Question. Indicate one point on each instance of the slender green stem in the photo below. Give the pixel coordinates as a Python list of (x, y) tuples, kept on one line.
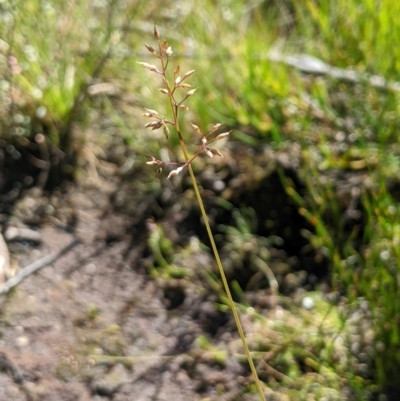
[(220, 268), (174, 106)]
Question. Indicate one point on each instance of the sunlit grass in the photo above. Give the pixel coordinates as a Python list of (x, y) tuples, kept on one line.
[(353, 33)]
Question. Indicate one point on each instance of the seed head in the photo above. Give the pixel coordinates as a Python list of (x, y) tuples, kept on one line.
[(197, 129), (191, 92), (166, 132), (156, 33), (153, 161), (188, 74), (154, 125), (175, 172), (150, 49), (158, 121), (213, 129), (215, 152), (150, 67), (164, 45), (225, 134), (208, 152), (152, 113)]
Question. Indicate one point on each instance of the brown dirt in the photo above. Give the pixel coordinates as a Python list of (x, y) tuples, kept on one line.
[(95, 324)]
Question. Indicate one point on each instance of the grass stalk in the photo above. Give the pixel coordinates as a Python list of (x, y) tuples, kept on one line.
[(170, 89), (221, 269)]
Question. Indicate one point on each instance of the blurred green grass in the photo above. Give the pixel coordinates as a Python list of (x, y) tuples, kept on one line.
[(55, 55)]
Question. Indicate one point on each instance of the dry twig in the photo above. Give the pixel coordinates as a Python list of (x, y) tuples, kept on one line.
[(35, 266)]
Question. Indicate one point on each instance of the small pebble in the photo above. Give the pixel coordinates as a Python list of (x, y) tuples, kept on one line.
[(22, 341), (307, 303)]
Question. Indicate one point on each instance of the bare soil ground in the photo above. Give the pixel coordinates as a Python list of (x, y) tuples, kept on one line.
[(95, 325)]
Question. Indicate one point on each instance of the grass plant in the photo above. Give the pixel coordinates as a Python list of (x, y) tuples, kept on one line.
[(171, 88)]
